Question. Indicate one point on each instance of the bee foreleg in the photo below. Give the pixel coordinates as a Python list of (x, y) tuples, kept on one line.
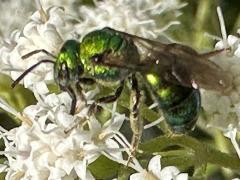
[(135, 120), (112, 98), (107, 99), (84, 81), (80, 93), (72, 94)]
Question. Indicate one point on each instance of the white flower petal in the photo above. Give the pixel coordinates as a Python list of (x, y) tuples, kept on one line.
[(154, 165), (65, 164), (237, 52), (89, 176), (116, 123), (95, 124), (41, 88), (65, 119), (219, 45), (182, 176), (231, 134), (232, 40), (3, 168), (138, 176), (56, 16), (168, 173), (111, 144), (56, 173), (81, 169)]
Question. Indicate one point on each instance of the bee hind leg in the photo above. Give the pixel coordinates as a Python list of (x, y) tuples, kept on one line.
[(135, 120)]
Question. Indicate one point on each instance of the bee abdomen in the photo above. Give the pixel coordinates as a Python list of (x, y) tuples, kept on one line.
[(183, 116)]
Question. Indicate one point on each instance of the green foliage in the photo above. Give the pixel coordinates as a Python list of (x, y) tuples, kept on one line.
[(103, 168), (18, 98)]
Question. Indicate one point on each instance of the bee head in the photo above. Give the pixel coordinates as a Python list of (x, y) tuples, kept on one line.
[(68, 68)]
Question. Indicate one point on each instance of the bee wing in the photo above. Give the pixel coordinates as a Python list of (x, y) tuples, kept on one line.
[(175, 63), (198, 72)]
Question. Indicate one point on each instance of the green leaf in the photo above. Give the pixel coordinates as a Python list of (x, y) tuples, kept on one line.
[(203, 153), (19, 97), (104, 168)]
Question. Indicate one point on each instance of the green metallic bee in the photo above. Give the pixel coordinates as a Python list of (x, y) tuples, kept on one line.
[(173, 73)]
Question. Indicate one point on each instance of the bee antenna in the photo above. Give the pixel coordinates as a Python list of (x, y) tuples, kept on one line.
[(36, 52), (29, 70)]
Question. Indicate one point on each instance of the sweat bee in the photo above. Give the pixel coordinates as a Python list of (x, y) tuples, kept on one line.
[(173, 73)]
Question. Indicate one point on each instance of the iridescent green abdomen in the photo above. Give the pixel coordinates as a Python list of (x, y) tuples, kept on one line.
[(183, 116), (109, 42), (180, 105)]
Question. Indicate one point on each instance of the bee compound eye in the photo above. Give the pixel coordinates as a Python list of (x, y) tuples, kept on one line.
[(98, 58), (80, 69)]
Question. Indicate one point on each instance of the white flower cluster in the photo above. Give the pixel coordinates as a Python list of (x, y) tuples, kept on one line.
[(37, 34), (11, 9), (50, 143), (21, 10), (223, 111), (135, 17)]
